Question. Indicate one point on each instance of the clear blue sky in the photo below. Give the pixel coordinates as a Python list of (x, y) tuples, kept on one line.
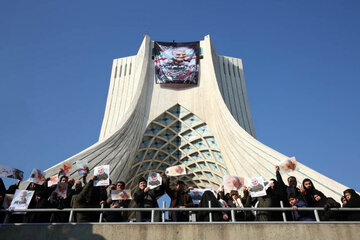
[(301, 62)]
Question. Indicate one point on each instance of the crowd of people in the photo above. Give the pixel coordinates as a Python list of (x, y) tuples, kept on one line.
[(83, 194)]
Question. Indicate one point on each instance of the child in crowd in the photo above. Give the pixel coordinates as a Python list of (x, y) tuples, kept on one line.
[(296, 203)]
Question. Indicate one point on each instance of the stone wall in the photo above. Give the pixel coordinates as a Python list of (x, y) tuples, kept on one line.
[(258, 231)]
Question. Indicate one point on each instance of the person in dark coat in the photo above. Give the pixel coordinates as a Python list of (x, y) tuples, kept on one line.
[(276, 195), (291, 188), (83, 200), (265, 202), (353, 201), (2, 197), (307, 191), (117, 216), (12, 188), (235, 202), (179, 199), (299, 215), (59, 202), (288, 189), (39, 200), (326, 202), (217, 216), (147, 198)]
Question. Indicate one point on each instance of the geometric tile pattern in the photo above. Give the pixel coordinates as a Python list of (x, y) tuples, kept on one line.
[(175, 137)]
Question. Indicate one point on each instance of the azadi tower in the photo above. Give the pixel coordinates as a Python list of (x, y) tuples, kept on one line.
[(208, 126)]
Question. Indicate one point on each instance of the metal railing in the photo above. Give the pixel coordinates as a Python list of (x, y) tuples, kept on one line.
[(192, 213)]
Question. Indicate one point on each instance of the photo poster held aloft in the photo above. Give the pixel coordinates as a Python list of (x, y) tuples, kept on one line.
[(177, 170), (196, 194), (120, 194), (37, 176), (82, 166), (289, 165), (21, 199), (232, 183), (176, 63), (9, 172), (61, 189), (53, 180), (154, 180), (256, 187), (67, 167), (102, 174), (7, 200)]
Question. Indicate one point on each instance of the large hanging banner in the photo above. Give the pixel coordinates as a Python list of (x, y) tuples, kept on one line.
[(176, 62)]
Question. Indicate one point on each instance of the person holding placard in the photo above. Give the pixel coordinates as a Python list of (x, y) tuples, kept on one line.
[(117, 216), (60, 198), (235, 202), (84, 200), (291, 188), (147, 198)]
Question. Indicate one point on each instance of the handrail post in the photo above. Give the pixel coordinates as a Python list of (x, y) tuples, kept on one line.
[(71, 215), (283, 213), (101, 214), (152, 215), (316, 215), (6, 219), (210, 214), (193, 216), (163, 212), (232, 215)]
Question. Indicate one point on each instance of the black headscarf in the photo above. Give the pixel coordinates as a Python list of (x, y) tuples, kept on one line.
[(354, 201), (322, 201), (309, 193), (204, 203)]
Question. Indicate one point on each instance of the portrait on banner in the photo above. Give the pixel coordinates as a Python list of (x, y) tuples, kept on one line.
[(37, 176), (102, 174), (154, 180), (120, 194), (256, 187), (289, 165), (232, 183), (11, 172), (177, 170), (21, 199), (176, 63)]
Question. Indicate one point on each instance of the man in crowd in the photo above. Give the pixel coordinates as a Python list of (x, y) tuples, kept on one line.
[(117, 216), (147, 198), (179, 199)]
